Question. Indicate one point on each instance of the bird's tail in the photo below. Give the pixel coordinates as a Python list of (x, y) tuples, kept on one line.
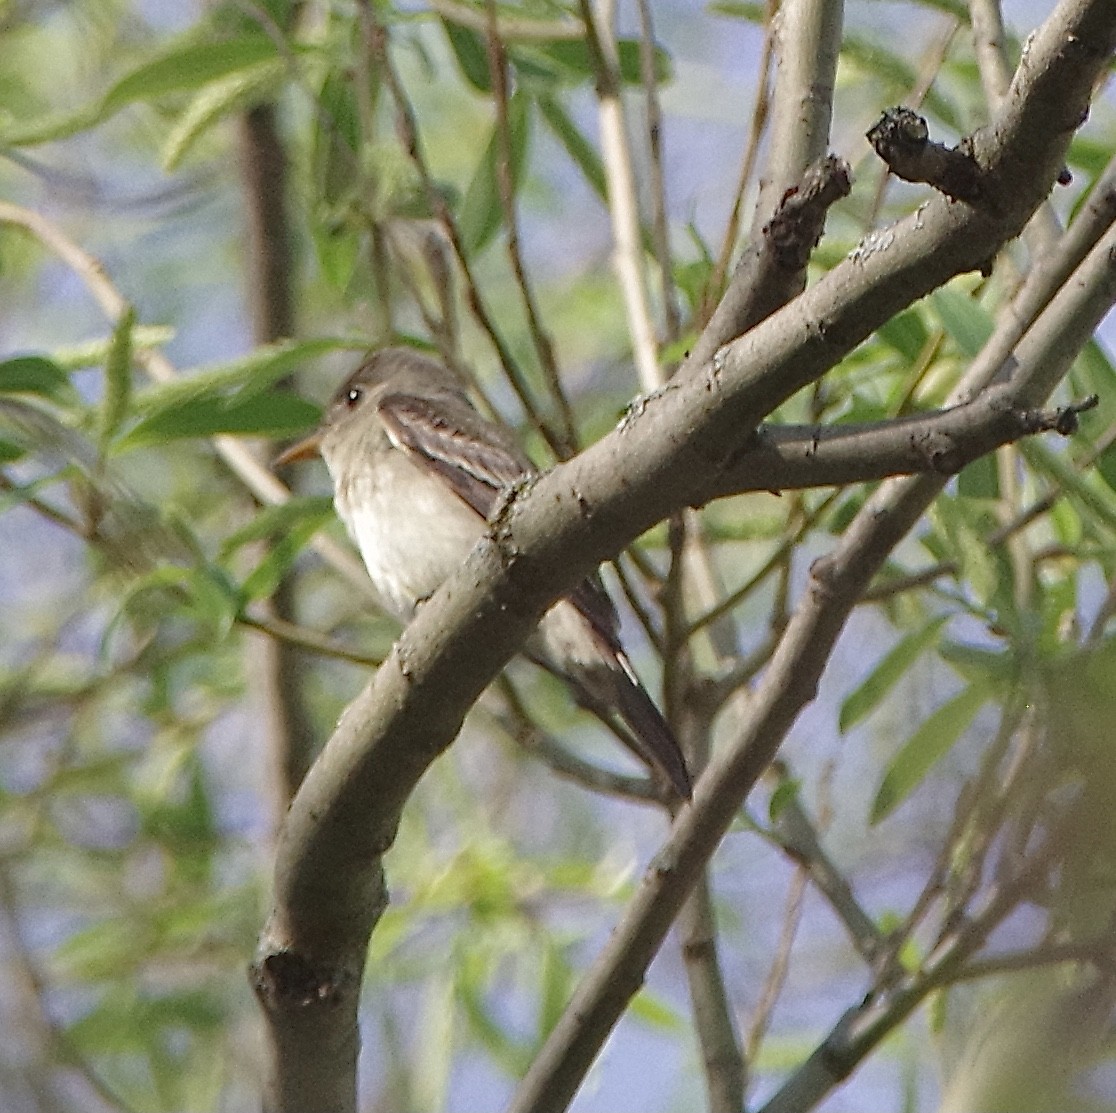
[(589, 658)]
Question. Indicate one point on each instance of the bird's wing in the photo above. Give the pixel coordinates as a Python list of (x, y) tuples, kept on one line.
[(448, 437), (478, 460)]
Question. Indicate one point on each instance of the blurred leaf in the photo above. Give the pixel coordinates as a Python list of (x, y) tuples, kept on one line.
[(655, 1012), (281, 554), (980, 479), (994, 669), (338, 250), (118, 377), (962, 523), (245, 376), (580, 150), (275, 521), (894, 665), (1056, 467), (785, 793), (182, 68), (555, 986), (10, 452), (738, 9), (336, 139), (73, 357), (471, 53), (925, 748), (964, 319), (218, 100), (435, 1053), (572, 57), (482, 215), (36, 375), (906, 333), (261, 415)]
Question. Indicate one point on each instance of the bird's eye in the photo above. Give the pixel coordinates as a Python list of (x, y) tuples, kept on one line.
[(353, 396)]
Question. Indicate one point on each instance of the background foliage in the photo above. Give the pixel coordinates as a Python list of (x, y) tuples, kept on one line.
[(961, 735)]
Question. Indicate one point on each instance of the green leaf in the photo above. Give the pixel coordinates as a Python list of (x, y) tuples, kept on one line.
[(10, 452), (868, 695), (118, 376), (275, 521), (655, 1012), (925, 748), (906, 333), (471, 53), (281, 554), (964, 319), (188, 66), (218, 100), (92, 353), (246, 375), (36, 375), (993, 669), (571, 59), (739, 9), (261, 415), (482, 213), (785, 792), (183, 68), (980, 479), (583, 153)]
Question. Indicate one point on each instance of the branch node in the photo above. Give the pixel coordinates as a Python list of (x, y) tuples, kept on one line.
[(797, 225), (901, 138), (284, 980)]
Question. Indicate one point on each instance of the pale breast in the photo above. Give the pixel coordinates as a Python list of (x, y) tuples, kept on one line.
[(412, 531)]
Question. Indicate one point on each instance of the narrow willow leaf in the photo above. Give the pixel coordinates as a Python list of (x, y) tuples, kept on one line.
[(481, 212), (583, 153), (275, 521), (218, 100), (925, 748), (181, 69), (471, 53), (906, 333), (118, 376), (262, 415), (283, 551), (966, 321), (36, 375), (92, 353), (248, 374), (864, 699), (187, 67)]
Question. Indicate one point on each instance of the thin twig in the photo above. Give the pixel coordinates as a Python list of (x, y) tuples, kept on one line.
[(508, 187), (623, 202)]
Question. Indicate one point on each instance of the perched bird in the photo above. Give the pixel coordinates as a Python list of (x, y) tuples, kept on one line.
[(416, 473)]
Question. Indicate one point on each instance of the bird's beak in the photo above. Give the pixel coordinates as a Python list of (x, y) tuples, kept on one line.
[(304, 449)]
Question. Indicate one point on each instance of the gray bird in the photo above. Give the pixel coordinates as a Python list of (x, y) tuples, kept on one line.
[(417, 471)]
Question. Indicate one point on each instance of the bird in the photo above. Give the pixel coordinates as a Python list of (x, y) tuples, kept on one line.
[(417, 471)]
